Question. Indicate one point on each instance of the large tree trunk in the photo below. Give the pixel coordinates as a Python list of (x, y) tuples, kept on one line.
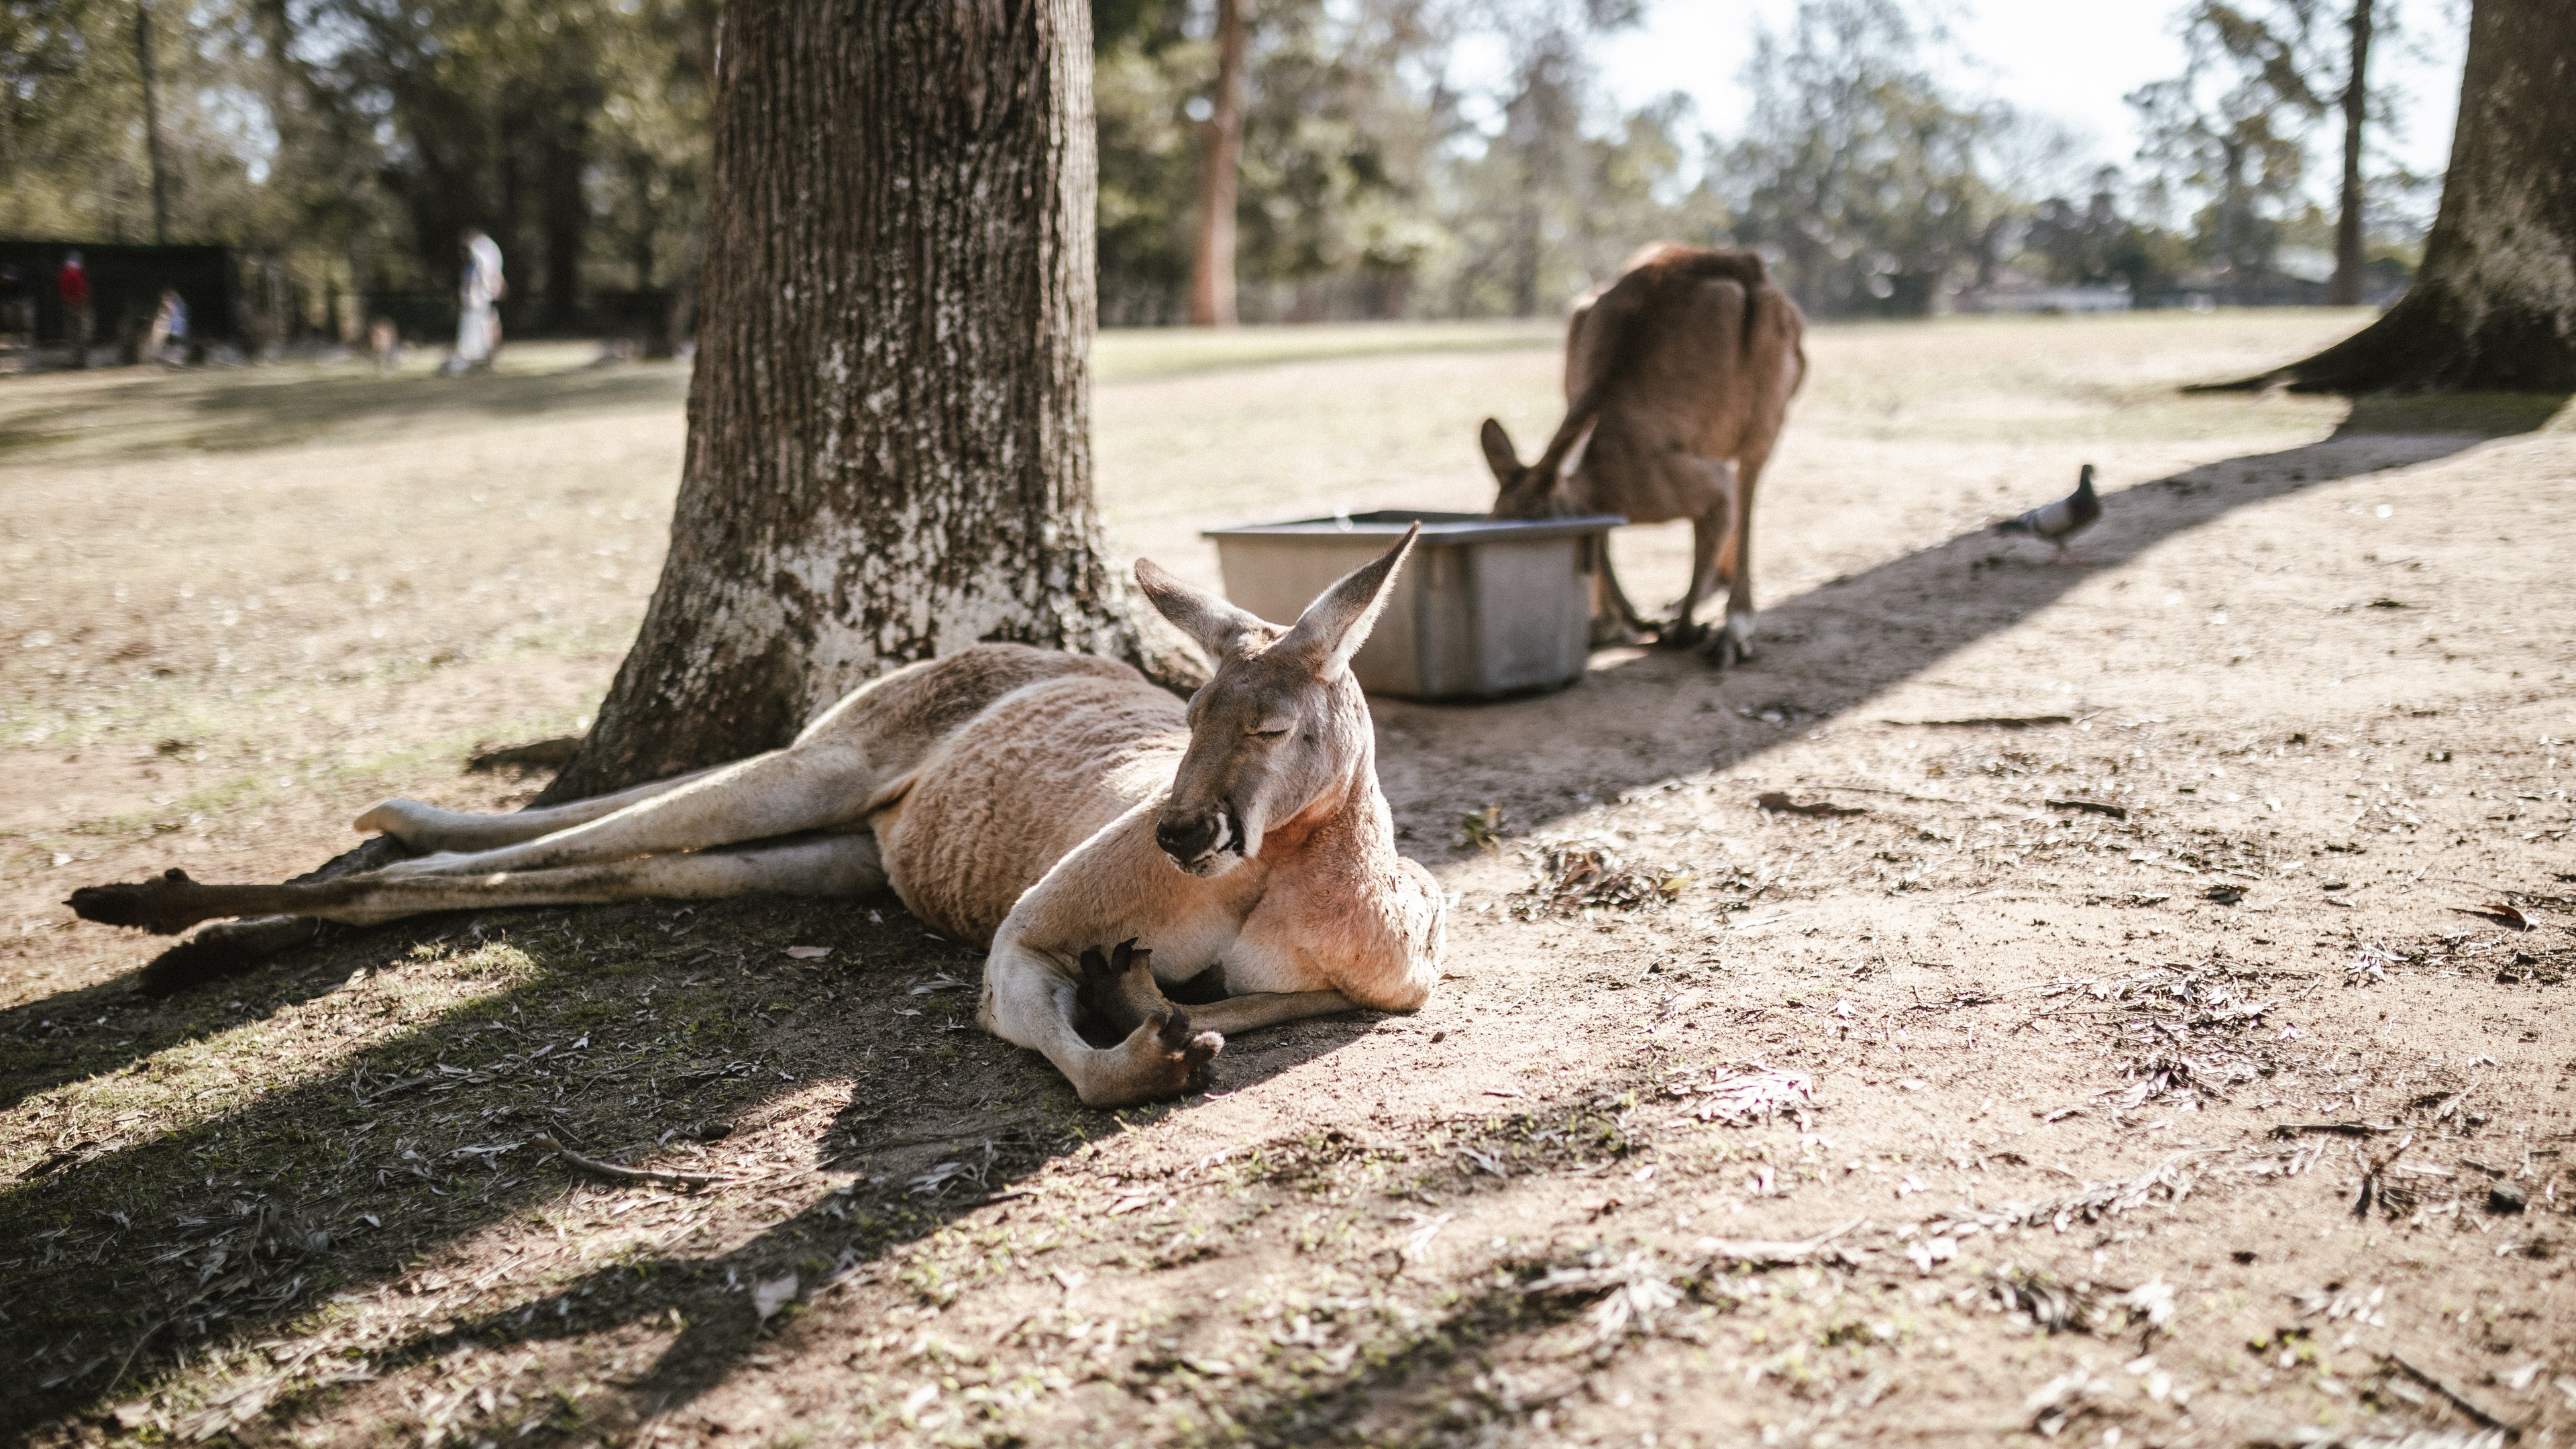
[(888, 454), (1220, 178), (2494, 305), (2345, 289)]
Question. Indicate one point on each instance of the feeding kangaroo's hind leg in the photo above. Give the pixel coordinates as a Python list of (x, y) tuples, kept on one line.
[(1614, 620)]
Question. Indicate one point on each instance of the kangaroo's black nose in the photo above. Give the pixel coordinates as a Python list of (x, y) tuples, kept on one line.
[(1190, 837)]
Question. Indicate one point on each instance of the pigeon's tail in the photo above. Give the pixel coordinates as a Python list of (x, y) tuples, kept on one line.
[(2022, 527)]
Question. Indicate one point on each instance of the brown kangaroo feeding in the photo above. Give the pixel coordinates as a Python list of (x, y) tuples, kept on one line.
[(1102, 838), (1678, 377)]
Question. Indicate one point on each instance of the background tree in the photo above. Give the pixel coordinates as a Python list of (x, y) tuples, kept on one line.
[(888, 454), (1858, 171), (2345, 289), (75, 146), (1220, 164), (2231, 127), (2494, 304)]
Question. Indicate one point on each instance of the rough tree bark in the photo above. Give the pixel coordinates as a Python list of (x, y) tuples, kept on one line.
[(2345, 288), (1220, 177), (888, 455), (2494, 305)]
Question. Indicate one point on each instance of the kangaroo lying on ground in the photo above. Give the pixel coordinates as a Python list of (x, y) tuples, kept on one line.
[(1050, 804), (1677, 381)]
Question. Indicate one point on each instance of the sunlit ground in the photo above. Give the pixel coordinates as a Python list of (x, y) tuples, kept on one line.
[(2113, 1006)]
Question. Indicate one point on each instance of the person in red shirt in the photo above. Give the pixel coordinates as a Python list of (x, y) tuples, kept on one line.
[(71, 283)]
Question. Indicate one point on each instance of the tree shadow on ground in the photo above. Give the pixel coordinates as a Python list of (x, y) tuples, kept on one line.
[(107, 1027), (1649, 716), (609, 1028)]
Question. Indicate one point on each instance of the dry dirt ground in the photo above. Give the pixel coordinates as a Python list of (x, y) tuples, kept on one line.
[(2142, 1016)]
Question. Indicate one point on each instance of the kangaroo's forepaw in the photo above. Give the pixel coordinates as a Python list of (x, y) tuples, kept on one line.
[(1194, 1051), (1162, 1058), (1118, 993), (165, 906)]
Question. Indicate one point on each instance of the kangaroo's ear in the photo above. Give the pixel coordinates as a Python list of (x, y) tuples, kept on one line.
[(1335, 626), (1220, 628), (1499, 454)]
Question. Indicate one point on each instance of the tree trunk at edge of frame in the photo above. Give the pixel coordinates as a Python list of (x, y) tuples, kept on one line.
[(888, 453), (2494, 304)]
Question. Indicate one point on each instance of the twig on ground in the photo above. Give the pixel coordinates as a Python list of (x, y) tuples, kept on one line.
[(2372, 1192), (2092, 807), (2463, 1402), (597, 1168), (1896, 794), (1765, 1253), (1987, 721), (1778, 802)]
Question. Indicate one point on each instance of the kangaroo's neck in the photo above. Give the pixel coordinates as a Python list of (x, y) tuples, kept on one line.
[(1341, 894), (1351, 820)]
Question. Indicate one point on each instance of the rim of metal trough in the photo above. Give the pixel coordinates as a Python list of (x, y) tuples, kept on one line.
[(1437, 528)]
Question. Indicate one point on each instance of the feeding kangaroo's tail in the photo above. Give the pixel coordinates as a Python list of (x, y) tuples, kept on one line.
[(1647, 287)]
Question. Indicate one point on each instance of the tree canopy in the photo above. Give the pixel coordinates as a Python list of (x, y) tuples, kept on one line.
[(1399, 157)]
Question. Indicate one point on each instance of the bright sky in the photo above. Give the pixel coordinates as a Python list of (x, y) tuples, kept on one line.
[(2070, 59)]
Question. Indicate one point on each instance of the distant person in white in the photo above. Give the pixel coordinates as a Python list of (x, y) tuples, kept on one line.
[(478, 327)]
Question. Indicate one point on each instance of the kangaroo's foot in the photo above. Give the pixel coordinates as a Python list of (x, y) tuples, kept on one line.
[(405, 820), (1118, 994), (1161, 1058), (223, 950), (1731, 645), (1735, 645), (1674, 634), (165, 905)]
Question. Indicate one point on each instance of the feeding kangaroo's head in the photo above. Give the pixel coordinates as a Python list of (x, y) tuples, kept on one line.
[(1281, 729), (1533, 491)]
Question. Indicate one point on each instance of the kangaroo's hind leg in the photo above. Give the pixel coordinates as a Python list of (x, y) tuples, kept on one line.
[(845, 864), (1614, 619), (783, 792), (428, 828)]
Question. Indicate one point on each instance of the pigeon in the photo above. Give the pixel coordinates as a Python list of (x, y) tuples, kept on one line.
[(2059, 522)]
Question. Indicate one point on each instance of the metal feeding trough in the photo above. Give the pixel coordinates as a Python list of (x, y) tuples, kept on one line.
[(1485, 607)]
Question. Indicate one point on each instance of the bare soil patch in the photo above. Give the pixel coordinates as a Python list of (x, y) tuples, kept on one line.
[(2140, 1013)]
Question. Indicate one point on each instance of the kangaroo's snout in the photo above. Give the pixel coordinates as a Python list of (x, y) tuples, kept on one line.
[(1196, 839)]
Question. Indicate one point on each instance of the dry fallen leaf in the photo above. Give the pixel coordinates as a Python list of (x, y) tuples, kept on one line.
[(1779, 803), (2507, 914), (809, 953)]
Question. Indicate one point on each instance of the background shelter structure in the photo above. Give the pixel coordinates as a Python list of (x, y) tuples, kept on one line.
[(125, 284)]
